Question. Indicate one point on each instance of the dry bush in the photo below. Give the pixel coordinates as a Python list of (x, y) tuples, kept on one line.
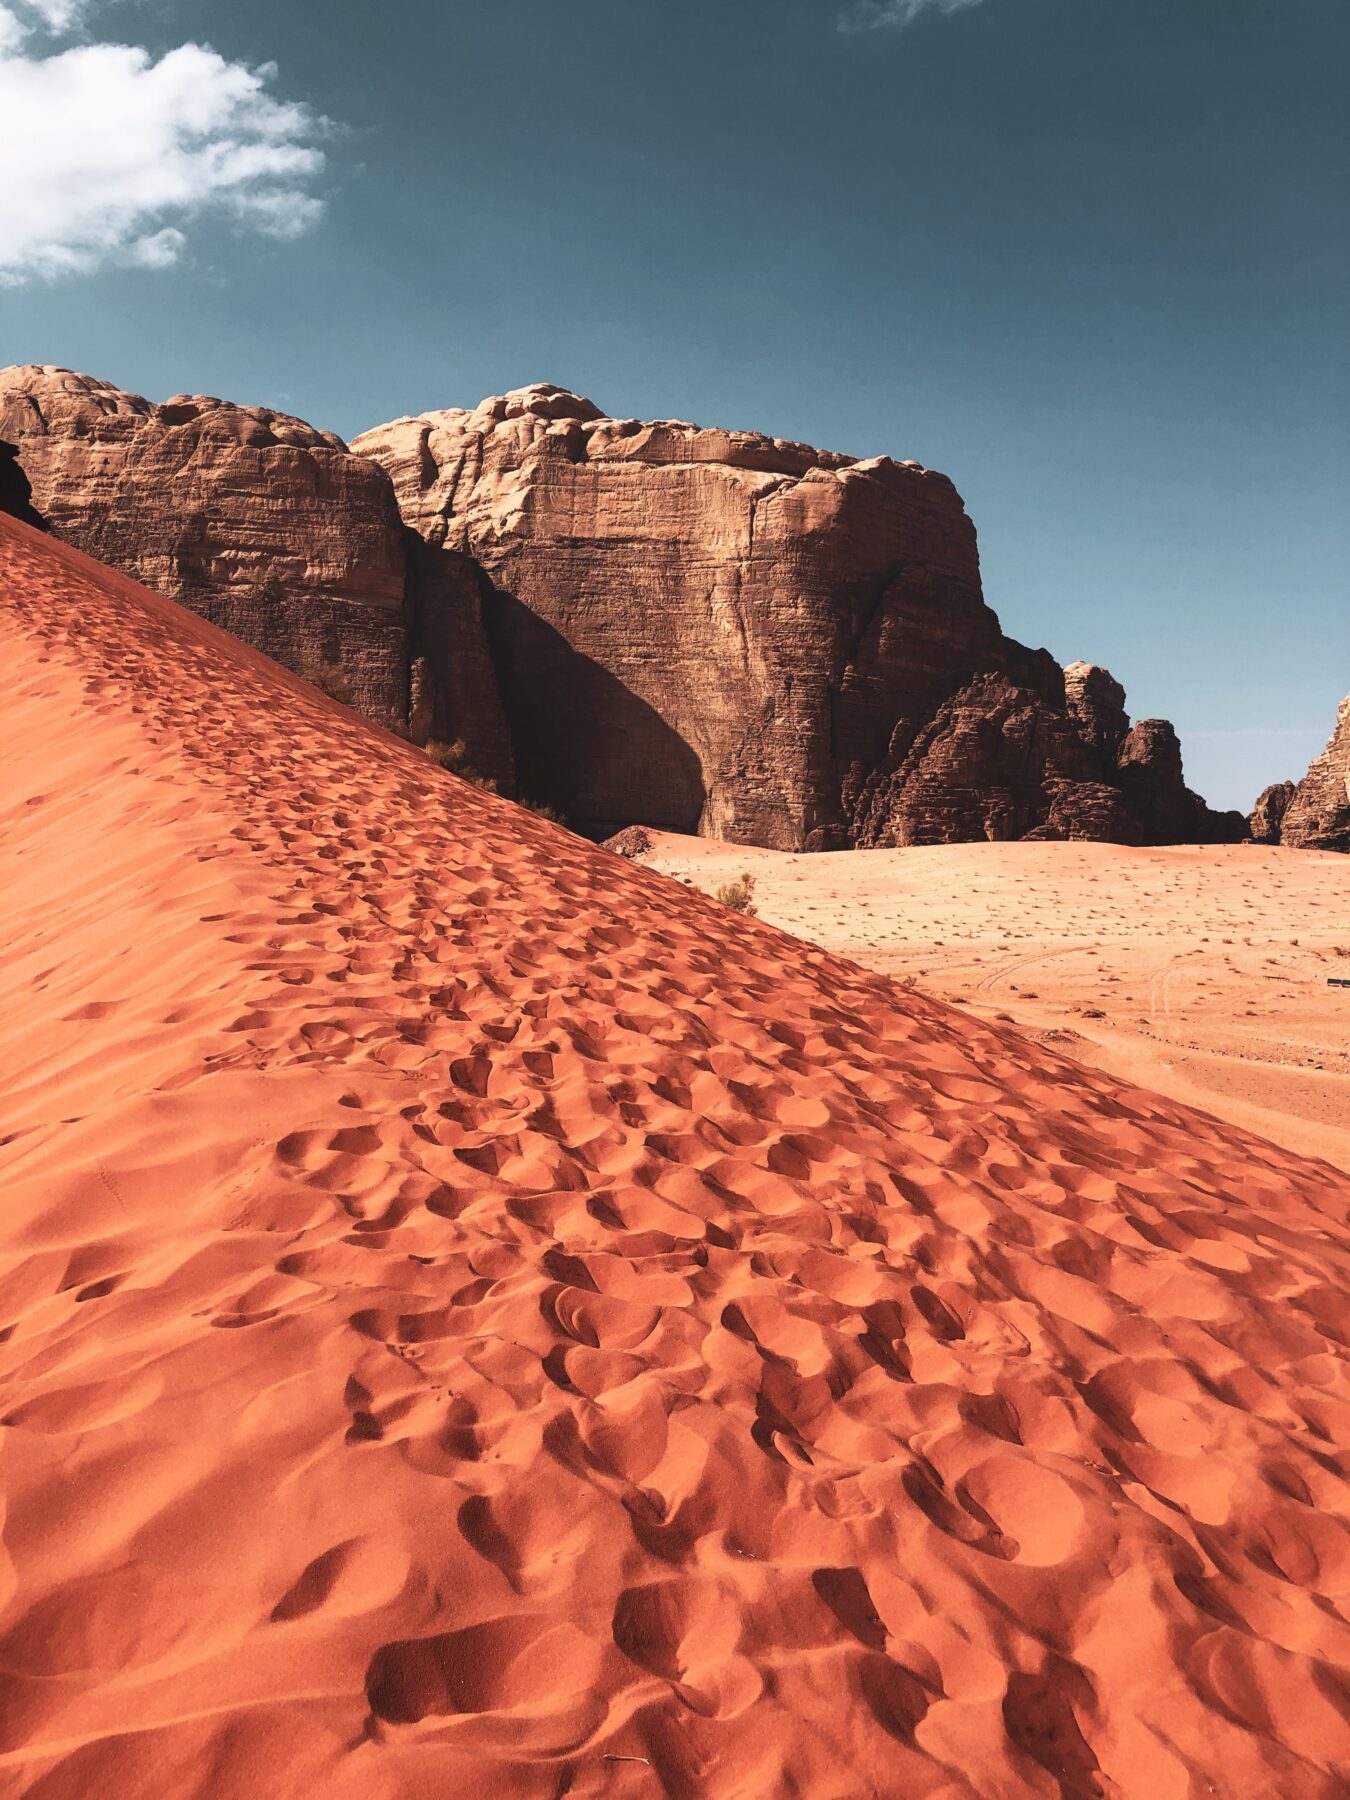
[(739, 895), (329, 677), (446, 756), (454, 759)]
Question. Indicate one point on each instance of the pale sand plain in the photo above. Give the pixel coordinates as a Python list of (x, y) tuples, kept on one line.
[(477, 1318), (1202, 972)]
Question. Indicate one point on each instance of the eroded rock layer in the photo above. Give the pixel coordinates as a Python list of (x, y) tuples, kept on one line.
[(701, 629), (1267, 816)]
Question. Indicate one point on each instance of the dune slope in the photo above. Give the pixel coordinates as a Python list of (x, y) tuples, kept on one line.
[(478, 1318), (1201, 971)]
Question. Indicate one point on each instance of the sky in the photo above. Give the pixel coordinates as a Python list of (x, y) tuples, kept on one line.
[(1088, 257)]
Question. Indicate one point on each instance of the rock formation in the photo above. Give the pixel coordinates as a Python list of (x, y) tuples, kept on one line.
[(716, 631), (1267, 816), (16, 492), (996, 761), (1095, 701), (1150, 777), (1317, 816), (700, 630), (255, 520)]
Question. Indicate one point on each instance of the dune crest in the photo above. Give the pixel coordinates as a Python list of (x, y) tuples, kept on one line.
[(478, 1318)]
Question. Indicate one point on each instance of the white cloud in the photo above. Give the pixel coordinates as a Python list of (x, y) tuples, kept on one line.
[(880, 15), (109, 154)]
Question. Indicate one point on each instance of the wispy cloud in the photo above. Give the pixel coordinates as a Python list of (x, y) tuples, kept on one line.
[(893, 15), (110, 155)]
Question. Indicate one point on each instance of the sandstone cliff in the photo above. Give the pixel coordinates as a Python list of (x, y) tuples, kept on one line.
[(255, 520), (717, 631), (1316, 815), (701, 630)]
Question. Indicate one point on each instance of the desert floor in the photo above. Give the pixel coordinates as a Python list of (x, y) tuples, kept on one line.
[(477, 1318), (1199, 972)]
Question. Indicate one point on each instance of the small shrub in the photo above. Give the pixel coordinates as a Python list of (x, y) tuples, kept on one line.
[(739, 895), (453, 758), (446, 756), (329, 677), (541, 811)]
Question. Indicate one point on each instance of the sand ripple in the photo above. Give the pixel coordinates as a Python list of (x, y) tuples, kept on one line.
[(476, 1318)]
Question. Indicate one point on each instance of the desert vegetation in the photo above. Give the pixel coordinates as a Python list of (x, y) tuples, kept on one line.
[(739, 895)]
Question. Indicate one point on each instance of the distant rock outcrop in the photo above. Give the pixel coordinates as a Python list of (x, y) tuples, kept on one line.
[(16, 491), (1267, 816), (1317, 816), (1150, 777), (716, 631), (255, 520)]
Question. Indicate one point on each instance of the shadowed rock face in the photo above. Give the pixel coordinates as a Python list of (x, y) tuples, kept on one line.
[(715, 631), (1317, 816), (16, 492), (255, 520), (1150, 776), (997, 761)]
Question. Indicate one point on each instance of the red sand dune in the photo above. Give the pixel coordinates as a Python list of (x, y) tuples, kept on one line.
[(479, 1319)]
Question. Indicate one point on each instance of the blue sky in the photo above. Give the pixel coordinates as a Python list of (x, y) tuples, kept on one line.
[(1089, 257)]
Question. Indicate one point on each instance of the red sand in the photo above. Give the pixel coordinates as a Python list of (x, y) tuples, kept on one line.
[(479, 1319), (1200, 972)]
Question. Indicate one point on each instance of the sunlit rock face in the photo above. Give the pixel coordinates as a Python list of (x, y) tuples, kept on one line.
[(717, 631)]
